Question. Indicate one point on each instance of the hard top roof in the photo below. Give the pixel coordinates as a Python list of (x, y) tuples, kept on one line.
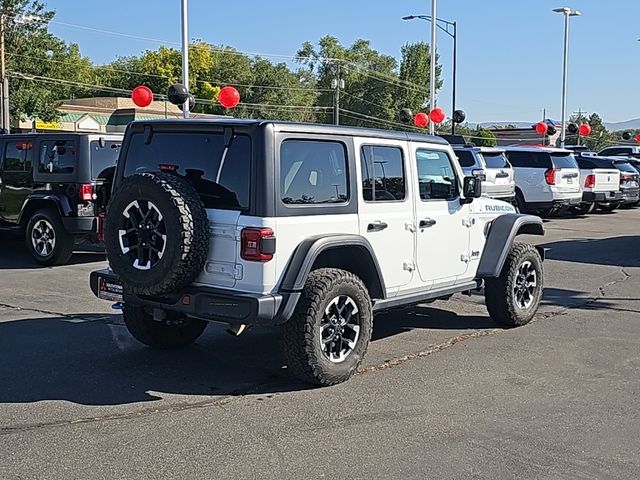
[(298, 127)]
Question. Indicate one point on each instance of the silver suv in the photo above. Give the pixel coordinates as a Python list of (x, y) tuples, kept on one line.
[(492, 167)]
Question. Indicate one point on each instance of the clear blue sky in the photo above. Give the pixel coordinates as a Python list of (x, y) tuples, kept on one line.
[(509, 51)]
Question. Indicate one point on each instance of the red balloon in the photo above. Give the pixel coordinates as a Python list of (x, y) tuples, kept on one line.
[(142, 96), (585, 129), (638, 138), (229, 97), (437, 115), (421, 120), (541, 128)]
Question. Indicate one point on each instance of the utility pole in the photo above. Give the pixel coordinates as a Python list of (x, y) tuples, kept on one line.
[(337, 83), (432, 73), (3, 77)]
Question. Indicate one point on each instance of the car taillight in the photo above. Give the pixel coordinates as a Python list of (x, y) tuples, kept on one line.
[(86, 192), (626, 178), (101, 221), (590, 181), (257, 244), (550, 176)]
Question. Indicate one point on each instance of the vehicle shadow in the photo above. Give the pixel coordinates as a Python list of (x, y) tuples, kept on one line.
[(93, 360), (614, 251), (15, 256)]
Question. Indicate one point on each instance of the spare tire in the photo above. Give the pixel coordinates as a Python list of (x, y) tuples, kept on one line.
[(156, 233)]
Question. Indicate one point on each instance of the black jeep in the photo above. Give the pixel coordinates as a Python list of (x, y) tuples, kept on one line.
[(53, 188)]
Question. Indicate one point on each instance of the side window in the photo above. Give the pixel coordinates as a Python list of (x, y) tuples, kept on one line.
[(313, 172), (466, 158), (383, 178), (57, 156), (18, 156), (436, 175)]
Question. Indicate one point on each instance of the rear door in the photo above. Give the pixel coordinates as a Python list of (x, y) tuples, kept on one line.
[(567, 173), (16, 178), (386, 209), (529, 168), (607, 180), (499, 175)]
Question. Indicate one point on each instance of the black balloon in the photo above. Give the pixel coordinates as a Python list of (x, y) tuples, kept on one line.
[(406, 115), (192, 103), (177, 94), (626, 135), (459, 116), (572, 128), (551, 130)]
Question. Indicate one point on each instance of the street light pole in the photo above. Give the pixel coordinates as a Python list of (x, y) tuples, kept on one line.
[(567, 12), (453, 35), (6, 127), (432, 73), (185, 54)]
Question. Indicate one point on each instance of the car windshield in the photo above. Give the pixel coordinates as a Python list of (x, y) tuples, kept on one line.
[(466, 158), (198, 157), (103, 158), (563, 160), (495, 160)]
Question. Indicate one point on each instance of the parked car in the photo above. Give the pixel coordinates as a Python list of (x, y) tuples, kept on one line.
[(621, 150), (492, 167), (547, 179), (600, 181), (629, 182), (311, 227), (53, 186)]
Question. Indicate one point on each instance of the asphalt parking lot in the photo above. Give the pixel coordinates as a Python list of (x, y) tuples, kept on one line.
[(443, 393)]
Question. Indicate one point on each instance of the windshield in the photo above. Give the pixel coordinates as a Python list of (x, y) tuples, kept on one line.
[(103, 158), (563, 160), (495, 160), (465, 158), (197, 157)]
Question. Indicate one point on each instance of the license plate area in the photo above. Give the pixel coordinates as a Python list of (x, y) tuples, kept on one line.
[(109, 290)]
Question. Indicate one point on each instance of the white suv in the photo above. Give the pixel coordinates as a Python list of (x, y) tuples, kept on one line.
[(491, 166), (311, 227), (547, 179)]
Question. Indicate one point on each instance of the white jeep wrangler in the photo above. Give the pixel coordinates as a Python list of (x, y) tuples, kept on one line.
[(314, 228)]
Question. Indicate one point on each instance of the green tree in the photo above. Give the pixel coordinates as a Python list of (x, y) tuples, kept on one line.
[(35, 58), (483, 138), (415, 71), (599, 138)]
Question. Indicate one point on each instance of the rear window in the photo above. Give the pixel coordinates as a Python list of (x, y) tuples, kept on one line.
[(57, 156), (465, 158), (495, 160), (562, 160), (625, 166), (103, 157), (529, 159), (198, 158)]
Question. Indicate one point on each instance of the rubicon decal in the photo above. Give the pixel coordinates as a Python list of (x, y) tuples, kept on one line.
[(499, 208)]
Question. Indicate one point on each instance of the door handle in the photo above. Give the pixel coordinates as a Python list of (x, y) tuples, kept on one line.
[(376, 226), (427, 222)]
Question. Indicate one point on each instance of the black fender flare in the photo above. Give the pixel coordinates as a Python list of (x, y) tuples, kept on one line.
[(61, 202), (310, 249), (502, 233)]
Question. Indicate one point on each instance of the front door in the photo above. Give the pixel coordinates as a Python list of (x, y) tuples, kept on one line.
[(16, 179), (385, 211), (441, 221)]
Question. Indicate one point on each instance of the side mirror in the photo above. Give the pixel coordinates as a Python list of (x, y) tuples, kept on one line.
[(471, 188)]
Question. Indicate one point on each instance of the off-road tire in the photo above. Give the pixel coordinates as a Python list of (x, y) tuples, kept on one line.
[(187, 232), (160, 334), (64, 241), (300, 339), (608, 208), (500, 296)]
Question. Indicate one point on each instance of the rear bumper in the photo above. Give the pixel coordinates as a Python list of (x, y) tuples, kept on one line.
[(211, 304), (555, 204), (79, 225), (630, 195), (602, 197)]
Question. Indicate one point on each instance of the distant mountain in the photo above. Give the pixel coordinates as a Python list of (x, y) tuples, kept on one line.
[(628, 125), (504, 124)]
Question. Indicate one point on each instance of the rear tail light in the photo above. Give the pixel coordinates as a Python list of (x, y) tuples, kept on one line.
[(101, 221), (550, 176), (86, 193), (627, 178), (590, 181), (257, 244)]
